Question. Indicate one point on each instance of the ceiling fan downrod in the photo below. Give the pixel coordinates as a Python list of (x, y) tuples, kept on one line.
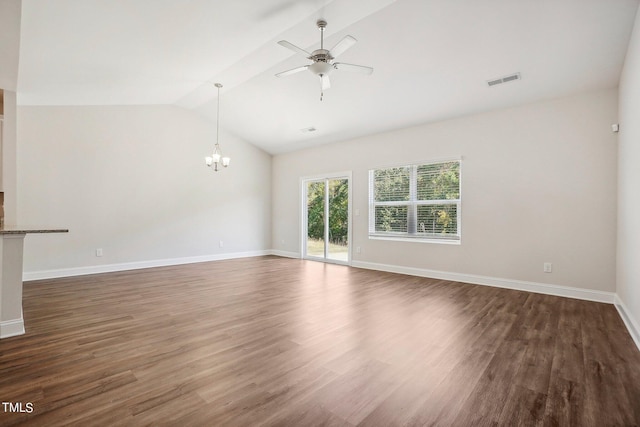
[(322, 24)]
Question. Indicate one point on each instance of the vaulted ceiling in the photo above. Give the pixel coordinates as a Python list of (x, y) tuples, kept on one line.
[(432, 59)]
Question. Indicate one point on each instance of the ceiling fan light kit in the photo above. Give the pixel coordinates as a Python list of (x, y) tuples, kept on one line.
[(323, 60)]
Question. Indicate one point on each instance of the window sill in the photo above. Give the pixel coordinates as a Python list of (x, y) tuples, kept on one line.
[(416, 239)]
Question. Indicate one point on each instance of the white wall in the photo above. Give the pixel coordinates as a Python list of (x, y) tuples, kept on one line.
[(538, 184), (8, 159), (628, 261), (10, 13), (132, 180)]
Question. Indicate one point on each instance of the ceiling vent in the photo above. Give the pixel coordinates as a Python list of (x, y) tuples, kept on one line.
[(308, 130), (506, 79)]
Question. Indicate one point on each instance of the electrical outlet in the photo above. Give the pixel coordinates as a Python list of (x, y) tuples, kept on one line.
[(358, 250), (221, 243), (99, 252), (547, 267)]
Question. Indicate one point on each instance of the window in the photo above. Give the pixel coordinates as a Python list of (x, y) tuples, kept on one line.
[(416, 202)]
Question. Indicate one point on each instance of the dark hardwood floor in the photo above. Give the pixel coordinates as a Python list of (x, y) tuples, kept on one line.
[(275, 341)]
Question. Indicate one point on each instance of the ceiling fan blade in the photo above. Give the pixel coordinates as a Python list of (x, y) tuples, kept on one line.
[(292, 71), (354, 68), (324, 81), (294, 48), (342, 45)]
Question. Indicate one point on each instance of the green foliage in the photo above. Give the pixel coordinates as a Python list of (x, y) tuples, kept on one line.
[(437, 219), (392, 184), (315, 210), (391, 219), (338, 210), (439, 181)]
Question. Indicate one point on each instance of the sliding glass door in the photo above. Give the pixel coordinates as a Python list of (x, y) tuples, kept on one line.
[(326, 219)]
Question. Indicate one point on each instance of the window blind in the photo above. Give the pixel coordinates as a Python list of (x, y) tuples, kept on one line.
[(415, 201)]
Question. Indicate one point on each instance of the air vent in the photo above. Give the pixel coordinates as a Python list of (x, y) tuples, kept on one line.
[(506, 79), (309, 129)]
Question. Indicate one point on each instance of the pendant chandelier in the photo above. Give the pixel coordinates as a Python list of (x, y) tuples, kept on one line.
[(216, 158)]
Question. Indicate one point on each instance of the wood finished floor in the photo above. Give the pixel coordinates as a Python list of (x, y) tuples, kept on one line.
[(275, 341)]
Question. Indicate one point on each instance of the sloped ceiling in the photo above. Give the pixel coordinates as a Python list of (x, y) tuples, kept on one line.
[(432, 59)]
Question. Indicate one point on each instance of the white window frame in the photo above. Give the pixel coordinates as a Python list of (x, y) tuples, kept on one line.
[(412, 207)]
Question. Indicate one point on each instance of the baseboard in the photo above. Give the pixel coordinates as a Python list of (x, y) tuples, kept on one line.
[(629, 321), (109, 268), (540, 288), (11, 328), (285, 254)]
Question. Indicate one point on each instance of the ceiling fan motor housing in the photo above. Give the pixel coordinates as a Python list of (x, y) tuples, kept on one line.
[(322, 55)]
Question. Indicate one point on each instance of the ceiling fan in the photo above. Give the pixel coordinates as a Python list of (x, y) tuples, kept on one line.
[(322, 58)]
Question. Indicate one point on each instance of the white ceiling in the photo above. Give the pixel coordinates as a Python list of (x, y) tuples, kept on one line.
[(432, 59)]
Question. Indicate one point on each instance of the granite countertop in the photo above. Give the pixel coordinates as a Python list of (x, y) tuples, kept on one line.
[(13, 229)]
